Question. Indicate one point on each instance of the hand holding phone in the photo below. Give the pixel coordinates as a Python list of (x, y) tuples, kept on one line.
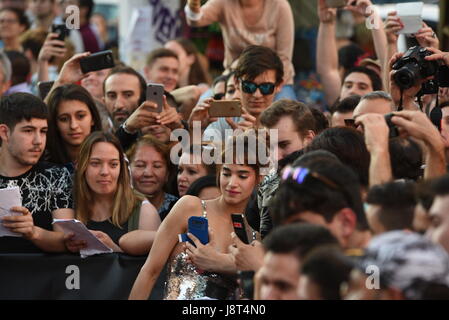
[(198, 226), (241, 228), (155, 93), (61, 30), (97, 61)]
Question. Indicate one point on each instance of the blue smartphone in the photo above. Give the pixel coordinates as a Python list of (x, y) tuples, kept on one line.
[(197, 226)]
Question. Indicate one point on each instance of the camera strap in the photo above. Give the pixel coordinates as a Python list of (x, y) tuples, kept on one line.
[(401, 100)]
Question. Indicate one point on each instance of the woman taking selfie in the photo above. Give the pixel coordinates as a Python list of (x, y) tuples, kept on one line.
[(121, 218), (205, 270)]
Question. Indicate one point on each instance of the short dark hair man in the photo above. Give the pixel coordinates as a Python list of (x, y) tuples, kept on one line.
[(330, 196), (46, 190), (258, 75), (391, 206), (285, 249)]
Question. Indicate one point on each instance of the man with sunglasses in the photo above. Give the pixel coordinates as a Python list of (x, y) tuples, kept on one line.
[(259, 76)]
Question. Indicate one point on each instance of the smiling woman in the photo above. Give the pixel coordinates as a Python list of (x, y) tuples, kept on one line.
[(102, 183)]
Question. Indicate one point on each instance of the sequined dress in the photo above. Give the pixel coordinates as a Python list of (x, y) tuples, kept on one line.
[(187, 282)]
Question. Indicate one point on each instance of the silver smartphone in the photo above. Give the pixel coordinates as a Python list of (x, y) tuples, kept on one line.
[(155, 93)]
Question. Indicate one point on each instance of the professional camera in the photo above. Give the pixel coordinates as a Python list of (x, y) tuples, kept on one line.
[(413, 67)]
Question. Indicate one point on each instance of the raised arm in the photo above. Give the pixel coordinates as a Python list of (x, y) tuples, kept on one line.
[(200, 16), (327, 53), (285, 39)]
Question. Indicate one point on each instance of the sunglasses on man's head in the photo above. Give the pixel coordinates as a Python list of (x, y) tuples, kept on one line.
[(265, 88)]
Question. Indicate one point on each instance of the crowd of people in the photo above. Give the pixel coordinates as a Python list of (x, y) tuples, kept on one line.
[(353, 204)]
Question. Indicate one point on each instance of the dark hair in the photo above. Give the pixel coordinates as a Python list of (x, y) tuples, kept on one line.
[(321, 122), (317, 196), (89, 4), (349, 146), (397, 201), (406, 158), (201, 183), (20, 14), (21, 67), (57, 152), (20, 106), (376, 81), (197, 74), (349, 55), (255, 60), (299, 113), (439, 186), (33, 40), (328, 268), (346, 105), (160, 53), (424, 194), (298, 238), (130, 71)]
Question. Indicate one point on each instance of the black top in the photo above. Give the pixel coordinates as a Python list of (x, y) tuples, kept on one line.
[(114, 232), (44, 188)]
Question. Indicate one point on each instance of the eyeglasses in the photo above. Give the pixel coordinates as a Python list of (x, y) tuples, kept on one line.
[(299, 174), (265, 88)]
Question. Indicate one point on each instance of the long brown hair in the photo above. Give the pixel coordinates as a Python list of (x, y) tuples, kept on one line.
[(125, 198)]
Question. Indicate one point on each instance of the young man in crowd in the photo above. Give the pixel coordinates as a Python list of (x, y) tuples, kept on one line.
[(391, 206), (258, 76), (46, 190), (285, 249), (163, 67)]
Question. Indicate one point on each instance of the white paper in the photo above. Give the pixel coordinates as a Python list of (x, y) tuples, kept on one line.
[(94, 245), (411, 16), (9, 197)]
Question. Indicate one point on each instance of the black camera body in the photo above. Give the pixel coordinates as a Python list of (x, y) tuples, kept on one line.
[(413, 67)]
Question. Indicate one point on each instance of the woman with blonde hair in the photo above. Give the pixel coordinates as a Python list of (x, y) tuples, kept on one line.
[(120, 217)]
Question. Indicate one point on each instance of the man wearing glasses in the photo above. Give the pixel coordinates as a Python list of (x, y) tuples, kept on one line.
[(259, 76)]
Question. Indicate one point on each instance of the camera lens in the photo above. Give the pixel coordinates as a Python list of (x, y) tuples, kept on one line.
[(405, 77)]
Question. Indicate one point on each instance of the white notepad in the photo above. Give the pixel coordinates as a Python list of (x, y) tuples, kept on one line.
[(9, 197), (94, 245), (411, 16)]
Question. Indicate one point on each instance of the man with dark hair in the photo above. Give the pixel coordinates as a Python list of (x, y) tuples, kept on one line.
[(322, 274), (163, 67), (343, 110), (294, 123), (46, 190), (259, 76), (391, 206), (330, 196), (124, 97), (360, 81), (349, 146), (285, 249)]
